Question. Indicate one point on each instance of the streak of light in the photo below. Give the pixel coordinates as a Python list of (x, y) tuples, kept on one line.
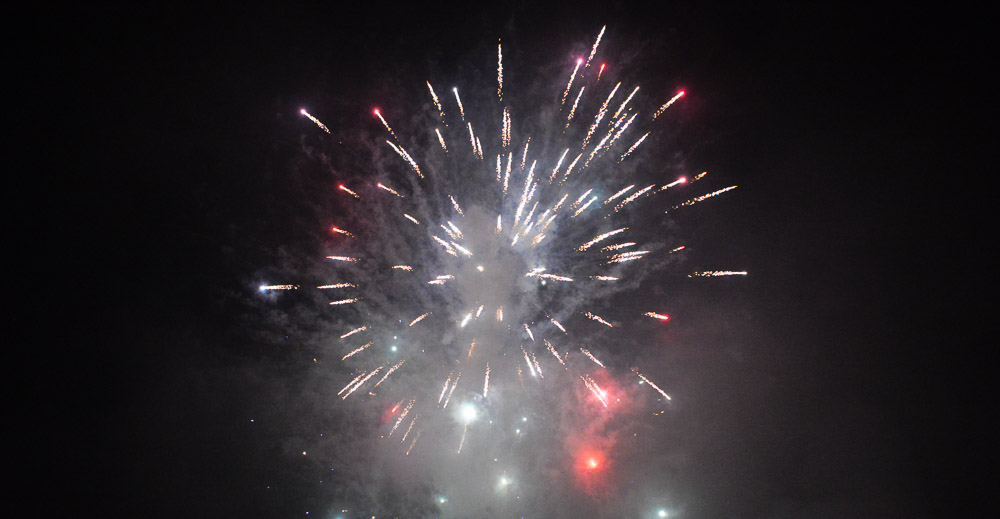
[(315, 120), (348, 191), (651, 384), (389, 189), (718, 273), (668, 103), (600, 237), (702, 197), (591, 357), (356, 350), (598, 318), (420, 318), (354, 331)]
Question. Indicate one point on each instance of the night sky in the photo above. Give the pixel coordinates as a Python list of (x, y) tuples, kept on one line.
[(183, 176)]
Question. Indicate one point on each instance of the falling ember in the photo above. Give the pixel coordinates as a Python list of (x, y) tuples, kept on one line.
[(593, 49), (408, 429), (338, 230), (668, 103), (264, 288), (455, 204), (441, 140), (651, 384), (359, 383), (445, 388), (552, 350), (351, 383), (387, 373), (315, 120), (632, 197), (618, 246), (403, 267), (461, 110), (499, 71), (354, 331), (337, 285), (601, 71), (402, 416), (344, 301), (580, 210), (591, 357), (555, 170), (527, 360), (452, 390), (389, 189), (572, 76), (599, 238), (504, 135), (600, 115), (486, 381), (625, 103), (598, 319), (634, 146), (418, 319), (618, 194), (406, 156), (556, 323), (572, 111), (627, 256), (655, 315), (718, 273), (595, 389), (472, 139), (342, 258), (680, 180), (702, 197), (356, 350), (348, 191), (412, 219), (437, 103), (414, 442), (462, 441), (384, 123)]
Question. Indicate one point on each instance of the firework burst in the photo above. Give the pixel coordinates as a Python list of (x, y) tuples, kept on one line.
[(499, 227)]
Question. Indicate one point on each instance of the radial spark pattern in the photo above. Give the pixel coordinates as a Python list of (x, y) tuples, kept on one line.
[(484, 277)]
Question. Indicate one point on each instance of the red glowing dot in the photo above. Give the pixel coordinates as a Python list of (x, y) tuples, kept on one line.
[(681, 93), (302, 111), (592, 463), (375, 111), (682, 180), (579, 61)]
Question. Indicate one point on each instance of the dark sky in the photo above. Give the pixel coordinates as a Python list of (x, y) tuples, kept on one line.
[(821, 382)]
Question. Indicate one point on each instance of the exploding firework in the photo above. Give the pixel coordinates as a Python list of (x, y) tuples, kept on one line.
[(500, 226)]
